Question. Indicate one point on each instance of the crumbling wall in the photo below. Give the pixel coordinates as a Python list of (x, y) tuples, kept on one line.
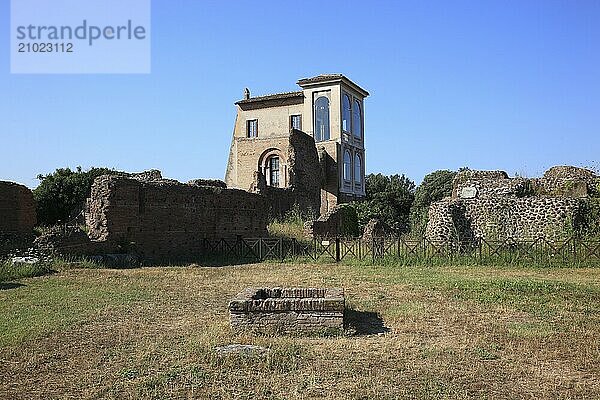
[(340, 221), (552, 218), (168, 220), (17, 209), (305, 178), (328, 159), (17, 217), (490, 205)]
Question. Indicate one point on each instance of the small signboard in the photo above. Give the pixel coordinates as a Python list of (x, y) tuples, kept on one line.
[(468, 192)]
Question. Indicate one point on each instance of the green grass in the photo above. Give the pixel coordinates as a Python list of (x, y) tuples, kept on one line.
[(47, 305), (10, 271), (291, 226), (454, 333)]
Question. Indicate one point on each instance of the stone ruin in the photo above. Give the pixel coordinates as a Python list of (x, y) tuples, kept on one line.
[(490, 205), (305, 175), (157, 219), (288, 310), (167, 220), (17, 216), (341, 220)]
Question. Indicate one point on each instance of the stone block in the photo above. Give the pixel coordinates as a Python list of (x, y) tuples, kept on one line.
[(288, 310)]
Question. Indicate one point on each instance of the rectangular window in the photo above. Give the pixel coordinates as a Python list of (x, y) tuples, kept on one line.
[(274, 171), (296, 122), (252, 128)]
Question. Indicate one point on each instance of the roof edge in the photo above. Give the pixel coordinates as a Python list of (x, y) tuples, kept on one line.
[(271, 97), (330, 78)]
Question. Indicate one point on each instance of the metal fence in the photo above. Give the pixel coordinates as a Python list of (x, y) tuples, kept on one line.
[(404, 249)]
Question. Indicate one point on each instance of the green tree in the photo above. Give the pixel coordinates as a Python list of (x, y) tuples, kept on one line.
[(63, 192), (435, 186), (389, 199)]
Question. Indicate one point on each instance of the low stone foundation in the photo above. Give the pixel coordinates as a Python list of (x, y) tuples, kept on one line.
[(288, 310)]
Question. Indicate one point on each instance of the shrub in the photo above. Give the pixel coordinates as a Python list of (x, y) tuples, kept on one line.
[(63, 192), (435, 186), (349, 221), (389, 199)]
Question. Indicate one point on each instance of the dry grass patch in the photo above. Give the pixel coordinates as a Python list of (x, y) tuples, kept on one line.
[(454, 333)]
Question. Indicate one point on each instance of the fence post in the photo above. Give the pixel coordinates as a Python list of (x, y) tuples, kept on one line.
[(337, 249), (238, 246), (373, 250)]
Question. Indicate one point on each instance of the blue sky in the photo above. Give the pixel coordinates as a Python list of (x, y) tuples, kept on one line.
[(512, 85)]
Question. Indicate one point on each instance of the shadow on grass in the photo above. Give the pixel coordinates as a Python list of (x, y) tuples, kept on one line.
[(10, 285), (364, 323)]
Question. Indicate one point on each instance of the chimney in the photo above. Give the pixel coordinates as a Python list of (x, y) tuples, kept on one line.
[(246, 94)]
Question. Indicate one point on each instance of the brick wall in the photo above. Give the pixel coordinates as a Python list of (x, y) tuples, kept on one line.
[(167, 220), (303, 174), (17, 209)]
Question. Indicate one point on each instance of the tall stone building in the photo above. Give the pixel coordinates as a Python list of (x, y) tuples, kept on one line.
[(329, 110)]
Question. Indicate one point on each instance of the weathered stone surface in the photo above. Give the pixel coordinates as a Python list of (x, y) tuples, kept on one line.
[(167, 220), (569, 172), (69, 241), (17, 217), (17, 209), (147, 176), (512, 208), (375, 228), (208, 182), (340, 221), (288, 310), (301, 165)]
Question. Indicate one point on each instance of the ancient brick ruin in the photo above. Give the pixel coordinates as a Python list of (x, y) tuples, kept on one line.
[(288, 310), (304, 174), (17, 217), (339, 221), (17, 209), (490, 205), (163, 219)]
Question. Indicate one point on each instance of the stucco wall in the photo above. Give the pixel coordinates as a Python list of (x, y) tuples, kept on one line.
[(272, 121)]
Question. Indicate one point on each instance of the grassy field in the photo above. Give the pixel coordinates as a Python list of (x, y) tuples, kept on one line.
[(454, 333)]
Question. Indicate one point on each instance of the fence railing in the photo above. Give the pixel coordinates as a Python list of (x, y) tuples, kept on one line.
[(481, 251)]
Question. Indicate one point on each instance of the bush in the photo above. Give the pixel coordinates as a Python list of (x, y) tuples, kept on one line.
[(63, 192), (435, 187), (389, 199), (349, 221)]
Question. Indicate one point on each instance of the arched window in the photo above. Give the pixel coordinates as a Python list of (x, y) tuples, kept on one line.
[(321, 119), (272, 171), (346, 115), (347, 166), (357, 169), (356, 119)]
